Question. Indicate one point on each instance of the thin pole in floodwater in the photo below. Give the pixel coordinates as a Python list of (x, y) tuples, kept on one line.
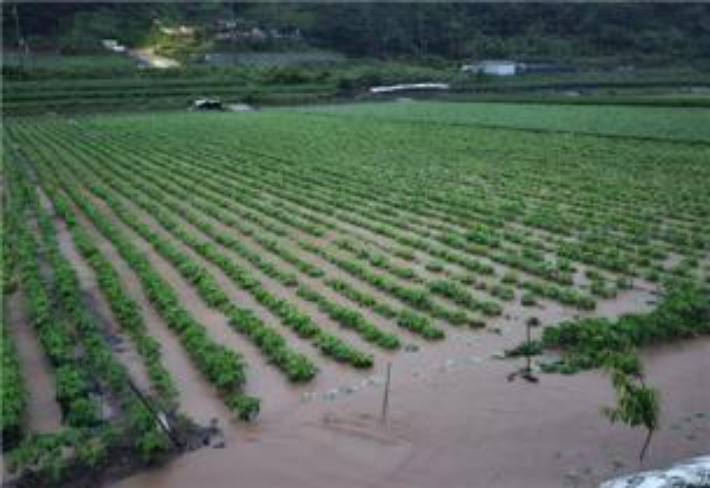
[(161, 423), (527, 372), (528, 351), (386, 397)]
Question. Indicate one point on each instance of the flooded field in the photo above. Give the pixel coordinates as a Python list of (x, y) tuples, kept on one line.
[(216, 299)]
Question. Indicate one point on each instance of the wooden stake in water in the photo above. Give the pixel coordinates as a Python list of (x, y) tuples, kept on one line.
[(385, 399), (528, 356)]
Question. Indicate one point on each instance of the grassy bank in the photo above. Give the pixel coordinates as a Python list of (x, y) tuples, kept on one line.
[(76, 86)]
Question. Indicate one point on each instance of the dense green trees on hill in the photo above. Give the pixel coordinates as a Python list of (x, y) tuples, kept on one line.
[(631, 31)]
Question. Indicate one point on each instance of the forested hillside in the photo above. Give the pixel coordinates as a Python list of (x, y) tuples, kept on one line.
[(634, 32)]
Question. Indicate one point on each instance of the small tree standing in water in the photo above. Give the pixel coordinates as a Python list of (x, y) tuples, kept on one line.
[(637, 403)]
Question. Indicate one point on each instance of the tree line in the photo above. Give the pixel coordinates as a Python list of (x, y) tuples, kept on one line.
[(444, 30)]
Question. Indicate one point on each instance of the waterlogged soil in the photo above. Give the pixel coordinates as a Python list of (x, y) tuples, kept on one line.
[(313, 283), (267, 382), (263, 379), (197, 399), (328, 367), (122, 346), (43, 411), (454, 420)]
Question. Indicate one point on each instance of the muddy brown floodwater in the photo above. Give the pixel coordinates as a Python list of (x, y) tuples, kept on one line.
[(454, 421), (43, 412)]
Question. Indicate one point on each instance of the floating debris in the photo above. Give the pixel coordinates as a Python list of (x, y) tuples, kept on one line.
[(473, 360), (693, 472)]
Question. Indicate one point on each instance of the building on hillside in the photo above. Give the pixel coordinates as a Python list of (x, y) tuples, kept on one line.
[(511, 68), (494, 67), (179, 31), (243, 30), (548, 68), (113, 45)]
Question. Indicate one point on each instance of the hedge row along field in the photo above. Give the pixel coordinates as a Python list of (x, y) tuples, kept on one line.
[(690, 124), (81, 84), (326, 242)]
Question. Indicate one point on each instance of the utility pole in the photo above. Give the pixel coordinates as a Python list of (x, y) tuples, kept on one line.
[(420, 30), (21, 42), (18, 32)]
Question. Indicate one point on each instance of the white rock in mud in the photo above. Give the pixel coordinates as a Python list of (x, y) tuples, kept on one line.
[(691, 473), (332, 394)]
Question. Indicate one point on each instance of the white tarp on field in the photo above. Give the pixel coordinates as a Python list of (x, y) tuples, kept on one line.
[(693, 473), (409, 87)]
